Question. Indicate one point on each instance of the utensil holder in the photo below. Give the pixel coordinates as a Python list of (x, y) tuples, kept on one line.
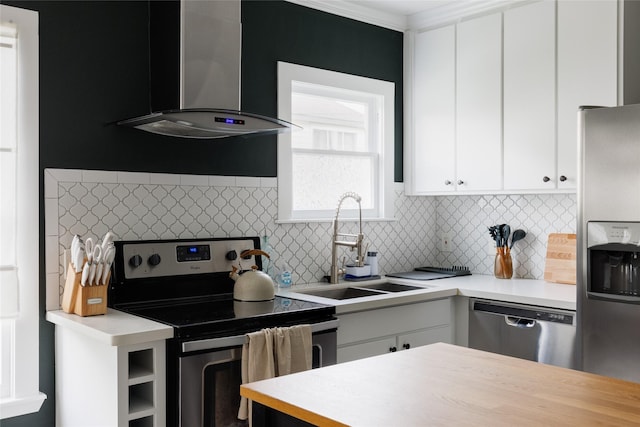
[(83, 300), (503, 265)]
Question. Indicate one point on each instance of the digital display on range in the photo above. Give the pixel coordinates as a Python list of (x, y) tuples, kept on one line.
[(193, 253), (229, 121)]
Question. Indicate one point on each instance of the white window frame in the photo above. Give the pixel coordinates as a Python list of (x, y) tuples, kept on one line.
[(24, 396), (290, 73)]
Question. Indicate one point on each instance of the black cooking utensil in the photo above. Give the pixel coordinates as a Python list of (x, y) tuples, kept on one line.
[(493, 232), (501, 234), (506, 232), (517, 235)]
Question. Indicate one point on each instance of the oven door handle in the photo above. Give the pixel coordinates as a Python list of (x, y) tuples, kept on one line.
[(239, 340)]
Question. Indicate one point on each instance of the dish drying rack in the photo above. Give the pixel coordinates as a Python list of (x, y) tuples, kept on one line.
[(456, 270)]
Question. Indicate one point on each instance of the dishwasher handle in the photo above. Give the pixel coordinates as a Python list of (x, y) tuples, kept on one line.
[(519, 322), (524, 314)]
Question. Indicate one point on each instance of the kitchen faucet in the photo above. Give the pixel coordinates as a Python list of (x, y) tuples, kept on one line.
[(335, 269)]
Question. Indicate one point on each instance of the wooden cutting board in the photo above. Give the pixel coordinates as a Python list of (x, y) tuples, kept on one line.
[(560, 263)]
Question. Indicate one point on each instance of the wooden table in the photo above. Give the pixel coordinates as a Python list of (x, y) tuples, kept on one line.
[(447, 385)]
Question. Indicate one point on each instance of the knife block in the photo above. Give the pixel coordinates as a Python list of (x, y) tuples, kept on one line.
[(83, 300)]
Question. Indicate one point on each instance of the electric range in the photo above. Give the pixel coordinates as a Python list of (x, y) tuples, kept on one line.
[(186, 284)]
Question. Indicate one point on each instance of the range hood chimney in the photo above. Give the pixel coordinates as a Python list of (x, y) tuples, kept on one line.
[(210, 57)]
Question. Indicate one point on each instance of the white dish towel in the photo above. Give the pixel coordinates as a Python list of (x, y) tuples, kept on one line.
[(274, 352)]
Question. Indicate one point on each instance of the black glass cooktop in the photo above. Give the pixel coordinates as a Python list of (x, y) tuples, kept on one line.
[(213, 316), (186, 284)]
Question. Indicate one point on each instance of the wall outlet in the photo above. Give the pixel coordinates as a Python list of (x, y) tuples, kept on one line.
[(445, 242)]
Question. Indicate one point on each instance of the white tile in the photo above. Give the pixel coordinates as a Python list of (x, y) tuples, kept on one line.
[(99, 176), (51, 254), (51, 217), (232, 205), (133, 178), (247, 181), (164, 179), (50, 184), (66, 175), (53, 292), (194, 180), (222, 181), (269, 182)]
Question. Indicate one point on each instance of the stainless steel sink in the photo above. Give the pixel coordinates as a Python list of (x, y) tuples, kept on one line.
[(362, 290), (343, 293), (393, 287)]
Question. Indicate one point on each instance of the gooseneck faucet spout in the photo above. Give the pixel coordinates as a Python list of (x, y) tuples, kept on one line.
[(336, 270)]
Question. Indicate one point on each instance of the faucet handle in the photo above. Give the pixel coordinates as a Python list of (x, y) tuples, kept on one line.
[(342, 269)]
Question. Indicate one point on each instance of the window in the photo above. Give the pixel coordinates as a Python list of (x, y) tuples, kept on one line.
[(345, 144), (19, 211)]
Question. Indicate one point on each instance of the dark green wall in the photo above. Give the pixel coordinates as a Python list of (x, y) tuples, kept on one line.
[(280, 31), (94, 71)]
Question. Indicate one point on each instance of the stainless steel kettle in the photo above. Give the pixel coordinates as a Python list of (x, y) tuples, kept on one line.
[(252, 285)]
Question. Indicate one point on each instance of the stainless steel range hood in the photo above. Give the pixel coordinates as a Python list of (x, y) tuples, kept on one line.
[(210, 55)]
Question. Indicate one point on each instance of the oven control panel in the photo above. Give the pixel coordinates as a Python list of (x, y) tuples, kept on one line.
[(186, 253), (148, 259)]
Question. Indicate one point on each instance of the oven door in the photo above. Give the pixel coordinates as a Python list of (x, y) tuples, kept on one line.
[(209, 380)]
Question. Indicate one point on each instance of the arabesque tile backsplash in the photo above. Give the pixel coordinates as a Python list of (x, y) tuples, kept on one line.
[(165, 206)]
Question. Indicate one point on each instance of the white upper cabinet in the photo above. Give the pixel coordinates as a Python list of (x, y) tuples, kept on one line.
[(587, 72), (529, 97), (479, 104), (431, 156), (457, 107), (493, 100)]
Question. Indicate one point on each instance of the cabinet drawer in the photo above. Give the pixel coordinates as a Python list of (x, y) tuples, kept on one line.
[(368, 349), (401, 342), (429, 336), (373, 324)]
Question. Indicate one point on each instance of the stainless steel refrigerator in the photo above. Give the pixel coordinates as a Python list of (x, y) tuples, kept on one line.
[(608, 284)]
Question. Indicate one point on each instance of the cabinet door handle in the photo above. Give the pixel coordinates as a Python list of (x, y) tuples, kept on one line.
[(460, 182), (393, 349), (563, 178), (546, 179), (447, 182), (406, 346)]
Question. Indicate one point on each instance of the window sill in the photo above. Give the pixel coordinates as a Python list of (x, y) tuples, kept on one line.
[(330, 220), (14, 407)]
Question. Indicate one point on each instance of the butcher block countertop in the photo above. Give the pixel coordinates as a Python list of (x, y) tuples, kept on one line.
[(442, 384)]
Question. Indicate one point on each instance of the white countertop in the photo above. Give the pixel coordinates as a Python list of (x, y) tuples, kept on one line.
[(113, 328), (117, 328), (523, 291)]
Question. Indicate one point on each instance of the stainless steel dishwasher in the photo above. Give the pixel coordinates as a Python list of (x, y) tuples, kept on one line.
[(535, 333)]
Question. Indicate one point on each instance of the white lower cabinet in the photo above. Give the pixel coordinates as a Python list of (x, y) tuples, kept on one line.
[(106, 385), (374, 332)]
